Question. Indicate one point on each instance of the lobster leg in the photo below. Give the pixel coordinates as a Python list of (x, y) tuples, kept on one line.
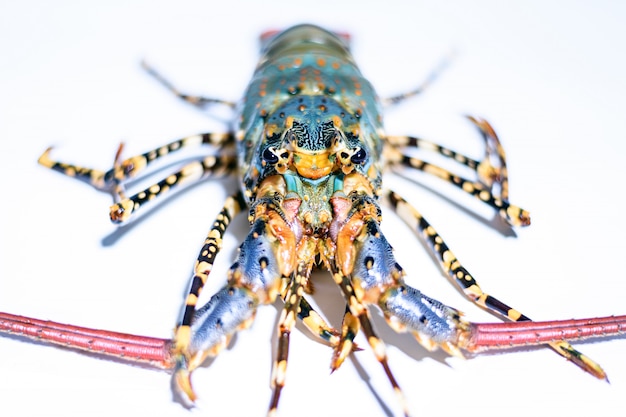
[(419, 143), (490, 171), (349, 330), (286, 322), (229, 310), (459, 275), (254, 279), (358, 310), (312, 320), (112, 181), (379, 278), (266, 258), (360, 246), (197, 101), (131, 167), (210, 166), (204, 263), (202, 269), (512, 214)]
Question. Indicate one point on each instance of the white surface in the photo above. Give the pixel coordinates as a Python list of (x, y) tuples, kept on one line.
[(549, 76)]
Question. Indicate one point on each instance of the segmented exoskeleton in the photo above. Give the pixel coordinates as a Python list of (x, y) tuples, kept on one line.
[(310, 151)]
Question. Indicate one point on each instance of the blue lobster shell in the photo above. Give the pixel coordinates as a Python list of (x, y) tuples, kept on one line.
[(310, 154)]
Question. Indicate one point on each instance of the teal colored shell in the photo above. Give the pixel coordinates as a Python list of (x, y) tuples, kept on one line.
[(305, 80)]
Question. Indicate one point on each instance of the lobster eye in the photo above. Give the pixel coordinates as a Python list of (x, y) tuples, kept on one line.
[(359, 157), (269, 156)]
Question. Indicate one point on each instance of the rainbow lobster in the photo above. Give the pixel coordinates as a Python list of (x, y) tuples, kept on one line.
[(310, 152)]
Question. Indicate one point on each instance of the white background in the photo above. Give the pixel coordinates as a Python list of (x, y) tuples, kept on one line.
[(548, 75)]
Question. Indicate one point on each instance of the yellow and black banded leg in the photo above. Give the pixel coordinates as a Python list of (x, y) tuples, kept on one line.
[(349, 330), (129, 168), (464, 280), (287, 320), (359, 312), (93, 177), (314, 322), (197, 101), (112, 181), (202, 268), (234, 204), (193, 172), (492, 169), (419, 143), (514, 215)]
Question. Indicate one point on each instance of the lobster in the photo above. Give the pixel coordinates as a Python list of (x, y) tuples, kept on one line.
[(310, 151)]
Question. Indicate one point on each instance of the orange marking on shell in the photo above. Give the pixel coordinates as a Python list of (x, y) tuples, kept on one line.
[(314, 166), (287, 248), (346, 252)]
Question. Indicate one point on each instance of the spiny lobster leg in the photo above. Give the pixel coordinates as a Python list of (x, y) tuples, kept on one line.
[(360, 243), (209, 166), (358, 311), (490, 171), (204, 263), (312, 320), (267, 260), (254, 279), (512, 214), (112, 181), (286, 322), (198, 101), (459, 275), (349, 330)]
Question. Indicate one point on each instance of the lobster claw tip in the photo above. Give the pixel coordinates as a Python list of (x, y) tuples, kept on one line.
[(182, 384), (344, 348)]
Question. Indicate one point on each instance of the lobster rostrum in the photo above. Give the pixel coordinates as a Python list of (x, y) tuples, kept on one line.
[(310, 152)]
